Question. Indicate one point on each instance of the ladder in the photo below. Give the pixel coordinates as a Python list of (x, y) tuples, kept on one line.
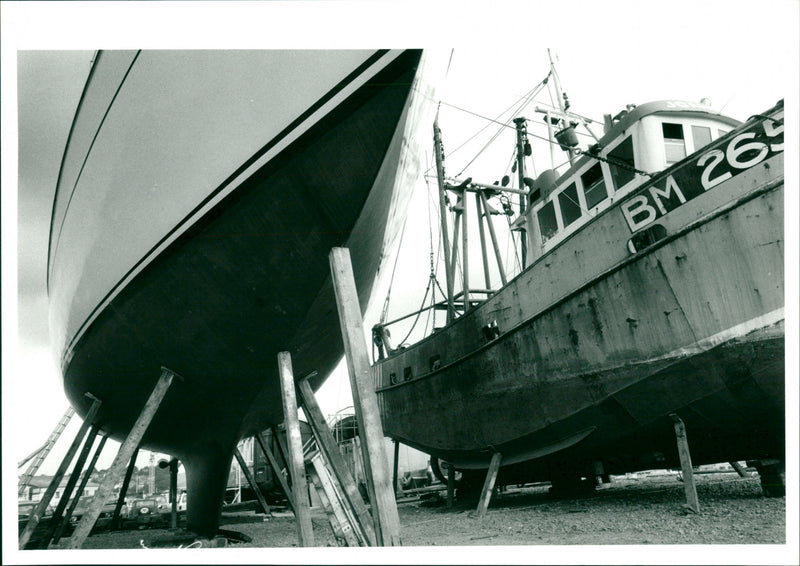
[(341, 516), (44, 451)]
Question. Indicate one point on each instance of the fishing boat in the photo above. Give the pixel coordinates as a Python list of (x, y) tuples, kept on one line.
[(651, 287), (199, 195)]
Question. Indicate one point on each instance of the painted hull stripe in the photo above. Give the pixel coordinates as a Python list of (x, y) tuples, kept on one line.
[(224, 189), (85, 159)]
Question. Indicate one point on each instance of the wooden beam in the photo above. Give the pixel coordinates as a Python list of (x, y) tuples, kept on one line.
[(692, 504), (81, 487), (387, 522), (126, 482), (739, 469), (38, 512), (451, 484), (276, 469), (281, 444), (173, 493), (129, 446), (330, 451), (296, 461), (488, 484), (58, 514), (395, 483), (251, 480)]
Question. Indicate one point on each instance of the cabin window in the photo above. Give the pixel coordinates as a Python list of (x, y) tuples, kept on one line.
[(594, 187), (548, 225), (570, 207), (701, 135), (674, 144), (620, 162), (722, 132)]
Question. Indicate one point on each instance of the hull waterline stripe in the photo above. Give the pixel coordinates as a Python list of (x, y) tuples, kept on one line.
[(85, 159), (219, 193), (282, 134)]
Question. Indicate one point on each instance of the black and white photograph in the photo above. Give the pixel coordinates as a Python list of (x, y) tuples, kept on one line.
[(504, 282)]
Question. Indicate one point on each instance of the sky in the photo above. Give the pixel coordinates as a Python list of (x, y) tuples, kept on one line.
[(742, 55)]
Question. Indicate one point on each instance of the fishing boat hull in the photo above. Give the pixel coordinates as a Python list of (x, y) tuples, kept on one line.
[(212, 276), (577, 364)]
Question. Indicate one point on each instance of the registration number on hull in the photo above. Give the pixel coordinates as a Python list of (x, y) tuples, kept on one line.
[(725, 160)]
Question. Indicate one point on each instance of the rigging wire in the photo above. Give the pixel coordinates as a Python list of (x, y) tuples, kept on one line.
[(385, 310), (521, 103)]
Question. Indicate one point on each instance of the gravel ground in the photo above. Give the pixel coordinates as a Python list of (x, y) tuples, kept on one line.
[(630, 511)]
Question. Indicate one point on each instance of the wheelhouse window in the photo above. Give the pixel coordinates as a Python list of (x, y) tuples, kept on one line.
[(570, 206), (701, 135), (674, 144), (594, 187), (548, 225), (620, 162)]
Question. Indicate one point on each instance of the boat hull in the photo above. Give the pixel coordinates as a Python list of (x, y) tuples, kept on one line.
[(589, 361), (218, 298)]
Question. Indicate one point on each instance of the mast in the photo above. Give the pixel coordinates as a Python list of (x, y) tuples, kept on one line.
[(562, 104), (523, 148), (438, 150)]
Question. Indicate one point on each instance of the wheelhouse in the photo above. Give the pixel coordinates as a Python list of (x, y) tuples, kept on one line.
[(638, 142)]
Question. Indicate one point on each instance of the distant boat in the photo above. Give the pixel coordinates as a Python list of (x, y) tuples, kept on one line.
[(653, 285), (199, 195)]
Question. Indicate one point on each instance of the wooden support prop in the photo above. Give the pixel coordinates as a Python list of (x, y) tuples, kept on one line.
[(739, 469), (129, 446), (692, 504), (451, 485), (295, 463), (281, 444), (276, 469), (252, 481), (173, 493), (488, 485), (126, 482), (395, 482), (384, 506), (333, 457), (38, 512), (58, 514), (79, 492)]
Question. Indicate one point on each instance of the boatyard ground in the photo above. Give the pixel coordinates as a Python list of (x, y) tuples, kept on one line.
[(633, 510)]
